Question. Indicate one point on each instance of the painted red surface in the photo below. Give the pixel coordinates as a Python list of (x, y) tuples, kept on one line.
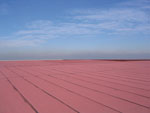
[(74, 86)]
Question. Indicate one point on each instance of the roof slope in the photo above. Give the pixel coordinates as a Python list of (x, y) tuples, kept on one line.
[(74, 86)]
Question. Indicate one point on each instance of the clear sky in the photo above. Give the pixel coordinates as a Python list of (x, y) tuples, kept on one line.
[(74, 29)]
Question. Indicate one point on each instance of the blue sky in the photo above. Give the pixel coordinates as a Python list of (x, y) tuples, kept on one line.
[(74, 29)]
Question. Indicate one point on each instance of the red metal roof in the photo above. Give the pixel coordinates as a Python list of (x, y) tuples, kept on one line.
[(74, 86)]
